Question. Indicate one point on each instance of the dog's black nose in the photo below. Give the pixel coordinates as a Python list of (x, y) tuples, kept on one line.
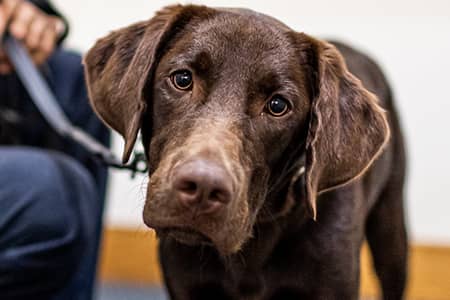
[(202, 186)]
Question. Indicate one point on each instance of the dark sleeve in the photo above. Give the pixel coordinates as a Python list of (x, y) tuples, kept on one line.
[(64, 74), (48, 8), (66, 77)]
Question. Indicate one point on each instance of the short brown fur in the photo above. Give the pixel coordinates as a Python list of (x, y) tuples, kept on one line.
[(281, 233)]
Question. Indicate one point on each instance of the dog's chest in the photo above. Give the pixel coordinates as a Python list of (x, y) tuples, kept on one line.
[(260, 286)]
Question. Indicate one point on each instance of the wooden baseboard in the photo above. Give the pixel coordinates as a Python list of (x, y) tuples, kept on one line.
[(131, 256)]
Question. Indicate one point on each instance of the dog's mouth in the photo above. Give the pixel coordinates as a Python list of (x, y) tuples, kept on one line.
[(186, 236)]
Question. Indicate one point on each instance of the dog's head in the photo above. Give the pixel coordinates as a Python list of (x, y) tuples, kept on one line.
[(233, 107)]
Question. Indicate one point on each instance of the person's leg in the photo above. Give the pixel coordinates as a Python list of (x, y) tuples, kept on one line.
[(48, 211), (81, 286)]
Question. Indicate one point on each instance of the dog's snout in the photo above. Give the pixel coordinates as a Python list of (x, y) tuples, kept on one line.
[(202, 186)]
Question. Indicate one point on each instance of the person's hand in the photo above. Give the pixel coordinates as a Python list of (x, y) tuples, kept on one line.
[(37, 30)]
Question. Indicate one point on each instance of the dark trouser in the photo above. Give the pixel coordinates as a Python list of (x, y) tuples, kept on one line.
[(50, 213)]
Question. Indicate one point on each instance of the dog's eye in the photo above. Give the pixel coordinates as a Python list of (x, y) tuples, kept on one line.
[(182, 79), (277, 106)]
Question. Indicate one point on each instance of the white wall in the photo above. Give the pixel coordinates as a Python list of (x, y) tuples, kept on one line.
[(411, 41)]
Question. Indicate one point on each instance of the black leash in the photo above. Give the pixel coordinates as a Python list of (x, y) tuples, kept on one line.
[(45, 101)]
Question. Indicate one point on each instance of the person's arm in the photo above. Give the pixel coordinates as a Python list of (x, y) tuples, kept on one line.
[(35, 23)]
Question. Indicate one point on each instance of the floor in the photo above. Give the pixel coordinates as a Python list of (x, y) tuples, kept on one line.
[(119, 291)]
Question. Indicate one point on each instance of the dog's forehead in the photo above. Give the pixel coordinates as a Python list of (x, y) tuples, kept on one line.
[(237, 36), (242, 31), (248, 13)]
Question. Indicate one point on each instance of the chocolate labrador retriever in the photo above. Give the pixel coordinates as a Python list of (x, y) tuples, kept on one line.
[(272, 154)]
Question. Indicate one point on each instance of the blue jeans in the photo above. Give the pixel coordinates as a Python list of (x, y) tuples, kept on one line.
[(49, 216)]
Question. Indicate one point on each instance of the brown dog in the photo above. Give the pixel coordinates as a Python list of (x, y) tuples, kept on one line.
[(269, 160)]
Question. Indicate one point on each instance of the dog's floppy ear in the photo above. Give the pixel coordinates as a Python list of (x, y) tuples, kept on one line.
[(347, 129), (119, 66)]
